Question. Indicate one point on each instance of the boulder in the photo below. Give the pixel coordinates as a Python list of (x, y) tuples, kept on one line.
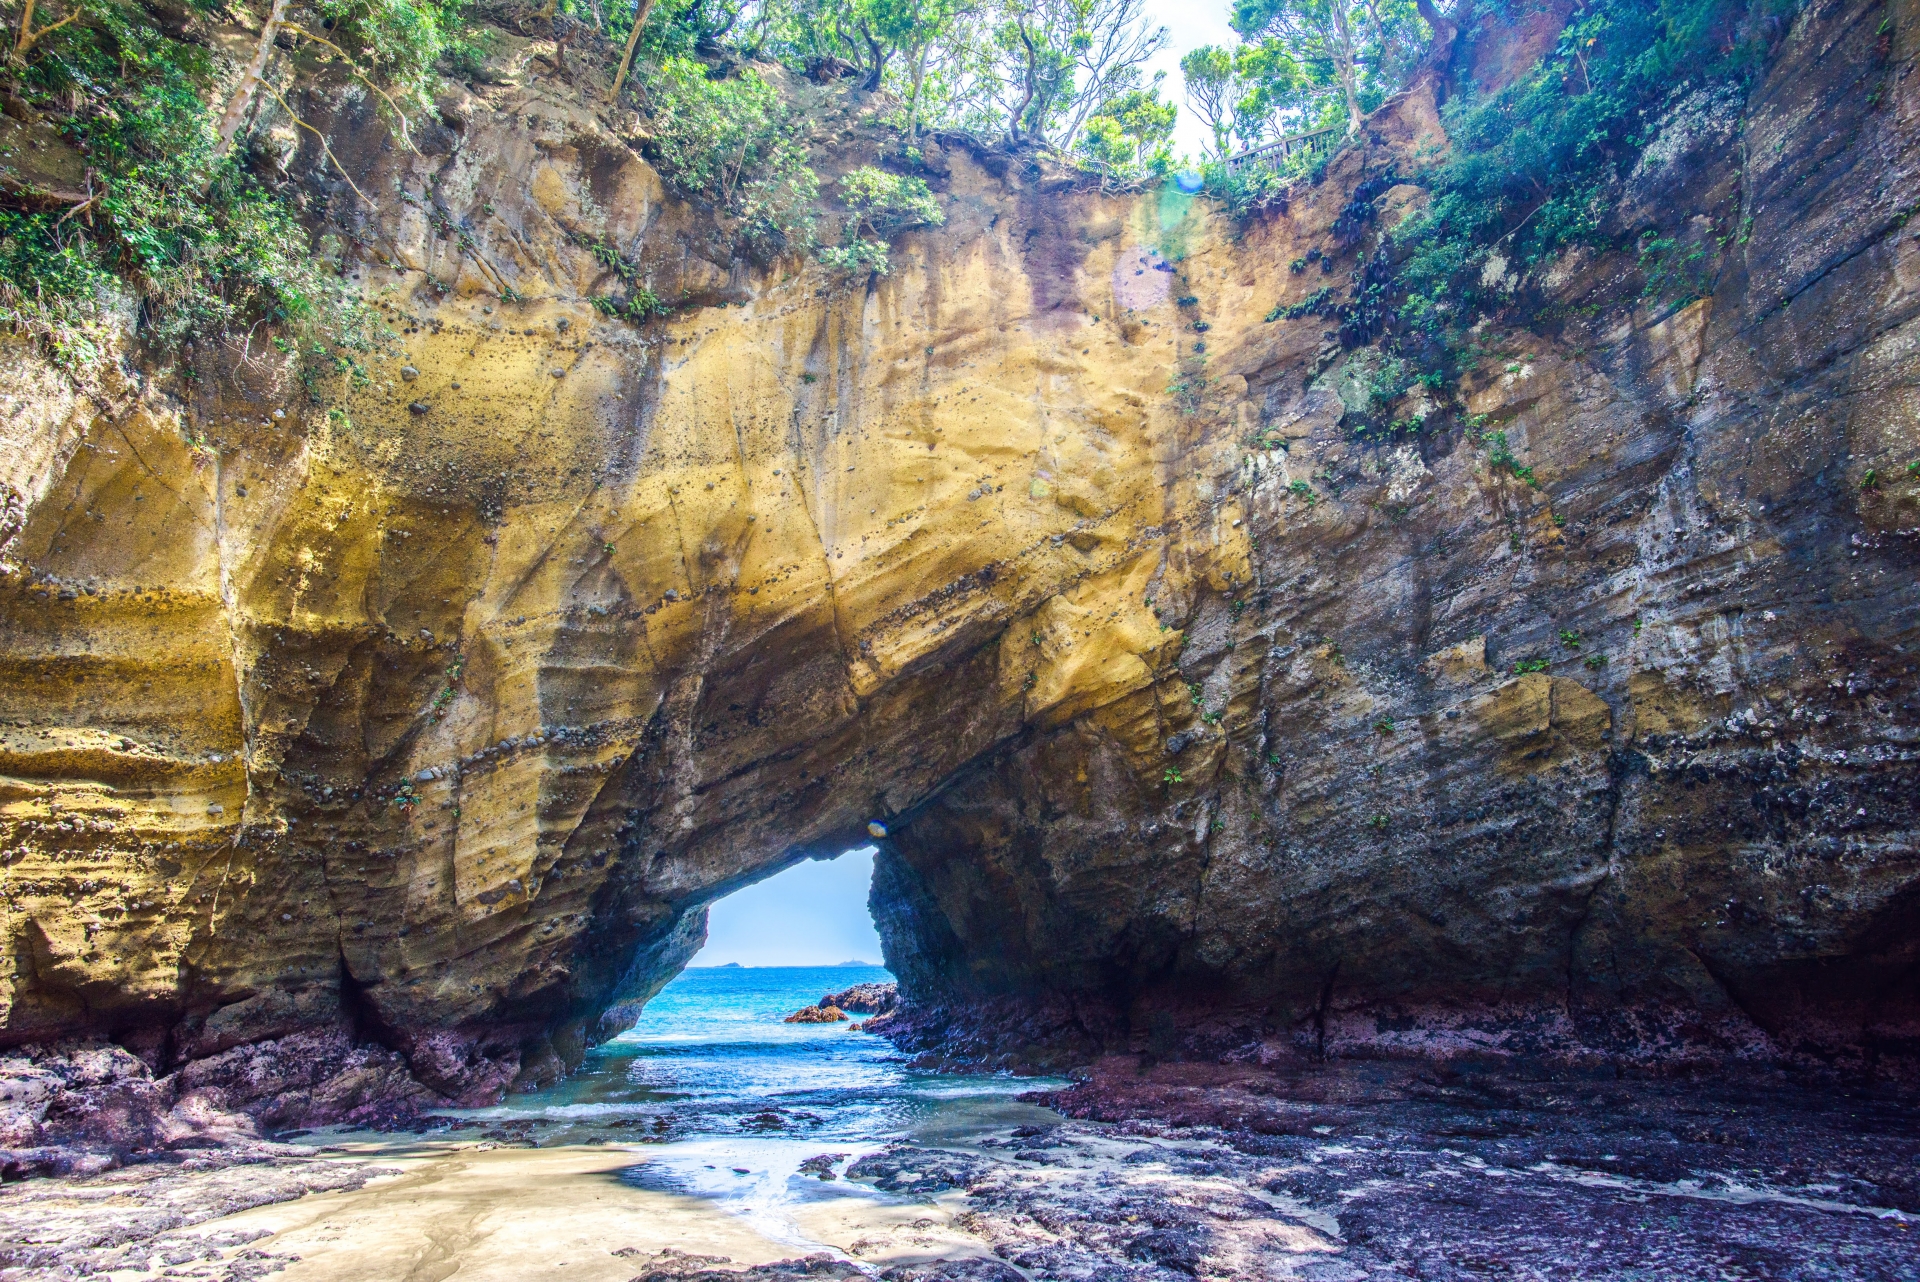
[(865, 999), (823, 1014)]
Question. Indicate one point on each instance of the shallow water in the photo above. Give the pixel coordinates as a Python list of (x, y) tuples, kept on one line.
[(728, 1100)]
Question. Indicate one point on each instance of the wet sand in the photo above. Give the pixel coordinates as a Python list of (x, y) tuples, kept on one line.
[(1168, 1174), (430, 1208)]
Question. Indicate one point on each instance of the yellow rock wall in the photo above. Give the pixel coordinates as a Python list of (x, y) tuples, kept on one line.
[(444, 709)]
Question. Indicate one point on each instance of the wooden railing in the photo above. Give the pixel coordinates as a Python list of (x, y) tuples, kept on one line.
[(1280, 148)]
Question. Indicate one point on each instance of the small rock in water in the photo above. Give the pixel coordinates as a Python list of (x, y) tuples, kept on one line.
[(822, 1164), (817, 1015)]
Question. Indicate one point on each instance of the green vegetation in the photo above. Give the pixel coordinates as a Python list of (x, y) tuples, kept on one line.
[(1328, 61), (879, 206), (1523, 181), (1318, 303), (1529, 164), (640, 303), (405, 798), (1302, 66), (1129, 139), (123, 186), (157, 191), (728, 142), (1500, 458), (142, 180), (1036, 71)]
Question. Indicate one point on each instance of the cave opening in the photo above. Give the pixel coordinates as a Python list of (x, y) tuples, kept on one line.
[(759, 1037), (812, 914)]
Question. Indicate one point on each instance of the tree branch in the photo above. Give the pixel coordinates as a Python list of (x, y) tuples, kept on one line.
[(236, 110), (1444, 28), (362, 77), (323, 142), (27, 37), (640, 10)]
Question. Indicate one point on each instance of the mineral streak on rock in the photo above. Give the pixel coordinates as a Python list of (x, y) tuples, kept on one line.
[(1192, 721)]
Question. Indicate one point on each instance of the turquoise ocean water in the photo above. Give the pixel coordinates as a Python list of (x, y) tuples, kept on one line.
[(724, 1100)]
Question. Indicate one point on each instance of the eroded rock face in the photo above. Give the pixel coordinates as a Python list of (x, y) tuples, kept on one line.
[(437, 722), (1619, 762)]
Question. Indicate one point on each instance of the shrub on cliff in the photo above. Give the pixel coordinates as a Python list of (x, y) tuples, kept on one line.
[(1530, 165), (121, 180), (729, 141), (879, 205)]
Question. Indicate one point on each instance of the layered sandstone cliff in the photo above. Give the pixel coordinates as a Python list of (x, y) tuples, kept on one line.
[(415, 738)]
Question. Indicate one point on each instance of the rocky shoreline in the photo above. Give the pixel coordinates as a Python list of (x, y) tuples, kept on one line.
[(1382, 1171), (1161, 1172), (84, 1108), (862, 999)]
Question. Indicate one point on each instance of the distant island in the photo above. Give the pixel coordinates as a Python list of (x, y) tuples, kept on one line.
[(729, 966), (859, 963)]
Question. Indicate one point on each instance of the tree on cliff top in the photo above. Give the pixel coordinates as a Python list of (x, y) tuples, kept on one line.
[(1354, 50), (1035, 72), (1130, 137), (1241, 93)]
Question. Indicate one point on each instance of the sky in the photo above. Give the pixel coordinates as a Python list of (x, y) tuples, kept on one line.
[(1191, 23), (813, 914)]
